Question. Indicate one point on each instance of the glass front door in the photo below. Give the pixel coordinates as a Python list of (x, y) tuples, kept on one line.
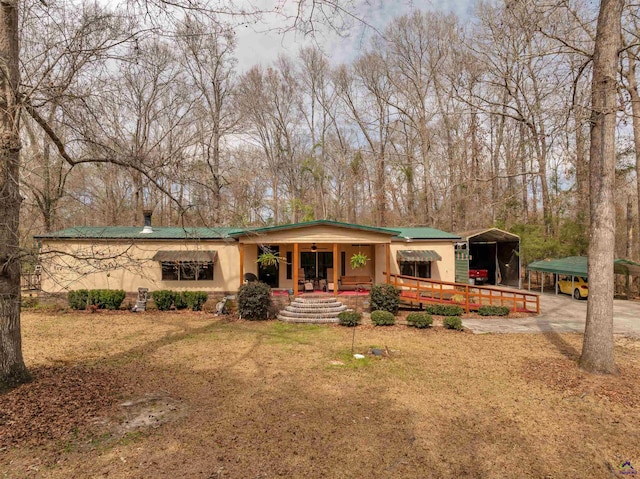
[(315, 264)]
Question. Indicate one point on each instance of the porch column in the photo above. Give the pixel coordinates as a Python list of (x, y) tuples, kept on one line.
[(387, 251), (296, 267), (241, 251), (335, 269)]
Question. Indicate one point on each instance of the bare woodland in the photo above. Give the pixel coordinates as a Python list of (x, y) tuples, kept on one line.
[(437, 122), (453, 124)]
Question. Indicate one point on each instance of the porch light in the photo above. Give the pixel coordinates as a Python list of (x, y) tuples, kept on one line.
[(314, 247)]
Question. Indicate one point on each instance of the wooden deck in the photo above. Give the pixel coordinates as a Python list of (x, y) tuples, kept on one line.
[(428, 291)]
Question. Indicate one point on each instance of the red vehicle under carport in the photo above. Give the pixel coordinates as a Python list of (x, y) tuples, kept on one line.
[(493, 257)]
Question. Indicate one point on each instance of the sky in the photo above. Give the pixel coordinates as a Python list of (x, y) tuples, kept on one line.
[(262, 43)]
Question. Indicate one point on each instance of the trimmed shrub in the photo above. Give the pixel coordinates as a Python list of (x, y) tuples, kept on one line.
[(254, 301), (96, 298), (111, 298), (349, 318), (194, 299), (78, 299), (180, 299), (452, 322), (382, 318), (384, 297), (163, 299), (419, 320), (444, 309), (493, 310)]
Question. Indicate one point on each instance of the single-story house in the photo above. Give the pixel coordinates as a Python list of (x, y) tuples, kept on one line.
[(316, 253)]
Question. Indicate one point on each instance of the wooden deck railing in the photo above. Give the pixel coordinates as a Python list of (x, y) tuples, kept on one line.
[(470, 297)]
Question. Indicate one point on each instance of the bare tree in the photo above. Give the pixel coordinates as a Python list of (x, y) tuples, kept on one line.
[(12, 367), (597, 350)]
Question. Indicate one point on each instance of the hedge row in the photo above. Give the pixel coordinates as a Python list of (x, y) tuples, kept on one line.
[(101, 298), (164, 299)]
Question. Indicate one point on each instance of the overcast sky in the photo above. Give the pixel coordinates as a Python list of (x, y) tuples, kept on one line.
[(262, 43)]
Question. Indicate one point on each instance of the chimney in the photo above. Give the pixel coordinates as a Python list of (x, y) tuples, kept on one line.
[(147, 222)]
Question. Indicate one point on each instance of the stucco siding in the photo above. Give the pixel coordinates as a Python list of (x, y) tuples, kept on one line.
[(70, 265)]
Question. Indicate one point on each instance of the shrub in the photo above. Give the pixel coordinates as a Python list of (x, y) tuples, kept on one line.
[(180, 299), (382, 318), (384, 297), (349, 318), (163, 298), (452, 322), (444, 309), (419, 320), (493, 310), (194, 299), (254, 301), (96, 298), (78, 299), (112, 298)]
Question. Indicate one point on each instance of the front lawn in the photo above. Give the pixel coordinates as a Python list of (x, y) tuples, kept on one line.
[(190, 395)]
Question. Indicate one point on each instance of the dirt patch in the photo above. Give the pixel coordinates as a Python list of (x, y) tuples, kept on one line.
[(150, 411)]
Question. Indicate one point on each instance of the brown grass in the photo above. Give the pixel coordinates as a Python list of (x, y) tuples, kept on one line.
[(234, 399)]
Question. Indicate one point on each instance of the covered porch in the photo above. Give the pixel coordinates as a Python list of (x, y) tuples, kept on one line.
[(316, 257)]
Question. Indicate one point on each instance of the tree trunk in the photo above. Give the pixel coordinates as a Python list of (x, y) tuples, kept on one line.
[(597, 349), (12, 367), (632, 88)]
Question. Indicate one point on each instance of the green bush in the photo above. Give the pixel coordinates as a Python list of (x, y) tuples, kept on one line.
[(444, 309), (254, 301), (419, 320), (493, 310), (384, 297), (349, 318), (111, 298), (452, 322), (194, 299), (78, 299), (97, 298), (163, 299), (180, 299), (382, 318)]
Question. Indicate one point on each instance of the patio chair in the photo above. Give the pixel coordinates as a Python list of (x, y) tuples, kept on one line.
[(330, 285)]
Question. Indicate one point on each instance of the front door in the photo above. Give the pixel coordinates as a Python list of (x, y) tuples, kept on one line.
[(268, 274), (315, 263)]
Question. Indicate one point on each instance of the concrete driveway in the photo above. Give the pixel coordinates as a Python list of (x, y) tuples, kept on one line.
[(560, 313)]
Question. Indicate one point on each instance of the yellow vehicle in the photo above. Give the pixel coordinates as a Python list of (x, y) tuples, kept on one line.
[(578, 288)]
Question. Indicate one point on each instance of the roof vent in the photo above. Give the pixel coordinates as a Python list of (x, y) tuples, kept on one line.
[(147, 222)]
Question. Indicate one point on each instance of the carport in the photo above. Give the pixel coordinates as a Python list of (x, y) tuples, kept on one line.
[(498, 252), (577, 266)]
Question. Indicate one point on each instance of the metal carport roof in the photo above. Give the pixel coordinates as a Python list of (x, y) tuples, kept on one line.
[(490, 235), (577, 266)]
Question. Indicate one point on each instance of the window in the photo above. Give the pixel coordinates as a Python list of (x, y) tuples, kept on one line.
[(289, 265), (186, 271), (343, 263), (420, 270)]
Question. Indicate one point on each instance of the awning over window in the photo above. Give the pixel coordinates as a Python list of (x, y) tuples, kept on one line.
[(186, 256), (417, 256)]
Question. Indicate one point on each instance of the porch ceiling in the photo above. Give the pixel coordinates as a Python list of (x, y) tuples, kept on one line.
[(325, 233)]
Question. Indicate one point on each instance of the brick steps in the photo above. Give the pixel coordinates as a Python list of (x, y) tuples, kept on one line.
[(313, 310)]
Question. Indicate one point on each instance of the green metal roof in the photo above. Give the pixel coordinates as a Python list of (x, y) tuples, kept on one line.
[(176, 232), (135, 232), (423, 232), (306, 224), (417, 256), (577, 266)]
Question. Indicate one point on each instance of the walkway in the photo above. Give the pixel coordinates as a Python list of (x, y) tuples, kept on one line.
[(560, 314)]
